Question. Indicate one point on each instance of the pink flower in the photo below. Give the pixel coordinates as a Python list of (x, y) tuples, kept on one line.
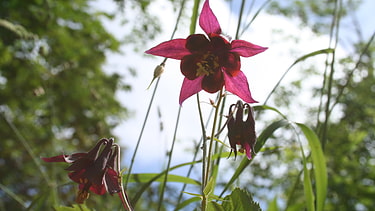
[(210, 62)]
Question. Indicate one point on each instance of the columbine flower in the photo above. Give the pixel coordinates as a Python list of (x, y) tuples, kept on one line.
[(210, 62), (94, 170), (241, 132)]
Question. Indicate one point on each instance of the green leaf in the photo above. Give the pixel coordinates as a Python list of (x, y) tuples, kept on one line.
[(319, 162), (272, 206), (240, 200), (187, 202), (266, 107), (146, 177), (268, 132), (144, 187), (309, 194), (208, 190), (76, 207), (214, 206)]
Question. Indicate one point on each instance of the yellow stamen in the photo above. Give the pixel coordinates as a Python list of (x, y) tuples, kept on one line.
[(207, 65), (82, 196)]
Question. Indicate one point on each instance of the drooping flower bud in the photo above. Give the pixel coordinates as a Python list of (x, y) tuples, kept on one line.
[(241, 132)]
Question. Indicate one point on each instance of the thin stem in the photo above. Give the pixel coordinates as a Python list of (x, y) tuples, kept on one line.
[(194, 17), (336, 24), (26, 145), (350, 74), (151, 101), (221, 115), (169, 160), (209, 155), (204, 138), (123, 196), (255, 15), (240, 19), (141, 134), (198, 147)]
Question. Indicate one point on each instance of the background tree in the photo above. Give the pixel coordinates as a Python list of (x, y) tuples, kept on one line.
[(54, 95)]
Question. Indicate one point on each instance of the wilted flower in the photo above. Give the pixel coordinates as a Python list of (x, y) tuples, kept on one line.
[(241, 132), (95, 170), (210, 62)]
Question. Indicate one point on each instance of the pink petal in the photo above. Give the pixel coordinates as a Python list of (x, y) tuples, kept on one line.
[(208, 20), (174, 49), (246, 49), (238, 85), (190, 87), (248, 151)]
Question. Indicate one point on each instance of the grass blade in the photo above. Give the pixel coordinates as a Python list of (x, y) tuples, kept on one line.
[(320, 169)]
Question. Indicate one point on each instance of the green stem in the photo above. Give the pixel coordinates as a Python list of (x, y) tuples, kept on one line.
[(151, 101), (336, 25), (169, 161), (204, 138), (198, 147), (194, 17), (141, 134), (123, 196), (209, 154), (240, 19)]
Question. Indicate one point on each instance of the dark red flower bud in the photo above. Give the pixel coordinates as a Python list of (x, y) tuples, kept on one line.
[(241, 132)]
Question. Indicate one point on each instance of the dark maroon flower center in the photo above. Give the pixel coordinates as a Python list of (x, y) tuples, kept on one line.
[(208, 56), (207, 65)]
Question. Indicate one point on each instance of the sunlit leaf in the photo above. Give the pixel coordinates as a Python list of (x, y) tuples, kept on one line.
[(146, 177), (145, 186), (187, 202), (266, 107), (309, 194), (319, 162)]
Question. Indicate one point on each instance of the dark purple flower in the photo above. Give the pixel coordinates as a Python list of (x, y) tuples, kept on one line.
[(241, 132), (95, 170), (210, 62)]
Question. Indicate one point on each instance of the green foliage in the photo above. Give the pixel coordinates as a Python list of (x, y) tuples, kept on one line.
[(143, 178), (240, 200), (54, 96), (320, 169), (75, 207)]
